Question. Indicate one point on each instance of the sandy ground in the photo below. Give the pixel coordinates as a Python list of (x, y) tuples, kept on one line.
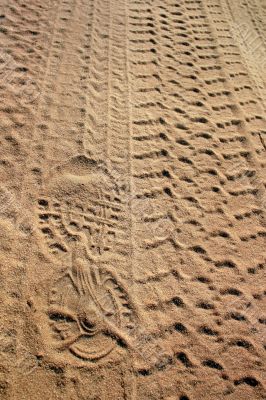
[(132, 199)]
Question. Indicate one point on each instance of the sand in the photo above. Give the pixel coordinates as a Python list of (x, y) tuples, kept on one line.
[(132, 199)]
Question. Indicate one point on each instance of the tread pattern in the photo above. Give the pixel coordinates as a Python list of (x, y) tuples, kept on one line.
[(138, 178)]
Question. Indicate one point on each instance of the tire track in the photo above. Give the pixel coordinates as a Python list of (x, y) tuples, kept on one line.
[(256, 121), (187, 121), (102, 141), (145, 175), (252, 48), (96, 136)]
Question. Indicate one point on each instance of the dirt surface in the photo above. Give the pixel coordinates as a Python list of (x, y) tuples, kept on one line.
[(132, 199)]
